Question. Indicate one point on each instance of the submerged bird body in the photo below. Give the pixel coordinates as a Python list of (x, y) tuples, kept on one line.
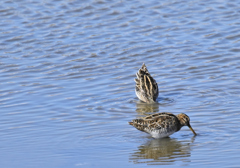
[(162, 125), (146, 87)]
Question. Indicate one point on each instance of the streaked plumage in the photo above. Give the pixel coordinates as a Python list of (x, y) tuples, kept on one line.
[(146, 87), (162, 125)]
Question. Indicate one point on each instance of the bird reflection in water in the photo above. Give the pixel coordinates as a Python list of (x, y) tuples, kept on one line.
[(145, 109), (162, 151)]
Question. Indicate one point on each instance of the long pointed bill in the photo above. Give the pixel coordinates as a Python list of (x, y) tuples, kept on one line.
[(192, 130)]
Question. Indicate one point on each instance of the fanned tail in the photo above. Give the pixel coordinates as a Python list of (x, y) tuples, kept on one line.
[(146, 86)]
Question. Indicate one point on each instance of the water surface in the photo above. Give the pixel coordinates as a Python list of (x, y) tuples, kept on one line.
[(67, 72)]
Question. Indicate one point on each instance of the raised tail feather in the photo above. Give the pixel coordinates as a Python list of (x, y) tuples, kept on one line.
[(146, 86), (140, 73)]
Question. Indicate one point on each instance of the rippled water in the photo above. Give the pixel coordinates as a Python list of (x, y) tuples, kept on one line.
[(67, 88)]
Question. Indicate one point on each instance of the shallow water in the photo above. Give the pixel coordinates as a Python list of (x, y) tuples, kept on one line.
[(67, 72)]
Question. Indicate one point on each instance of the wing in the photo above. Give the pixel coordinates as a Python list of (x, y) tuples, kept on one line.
[(140, 124), (164, 123), (149, 117), (161, 123)]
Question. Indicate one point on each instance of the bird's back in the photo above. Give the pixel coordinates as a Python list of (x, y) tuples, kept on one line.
[(158, 125)]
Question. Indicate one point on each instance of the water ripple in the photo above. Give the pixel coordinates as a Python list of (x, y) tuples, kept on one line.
[(67, 88)]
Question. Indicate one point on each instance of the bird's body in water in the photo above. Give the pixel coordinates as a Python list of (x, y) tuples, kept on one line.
[(162, 125), (146, 87)]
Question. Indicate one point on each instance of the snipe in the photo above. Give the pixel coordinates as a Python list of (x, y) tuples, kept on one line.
[(162, 125), (146, 87)]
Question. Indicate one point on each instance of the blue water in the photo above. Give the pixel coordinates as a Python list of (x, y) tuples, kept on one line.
[(67, 72)]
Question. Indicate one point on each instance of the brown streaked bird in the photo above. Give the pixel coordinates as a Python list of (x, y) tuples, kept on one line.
[(162, 125), (146, 87)]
